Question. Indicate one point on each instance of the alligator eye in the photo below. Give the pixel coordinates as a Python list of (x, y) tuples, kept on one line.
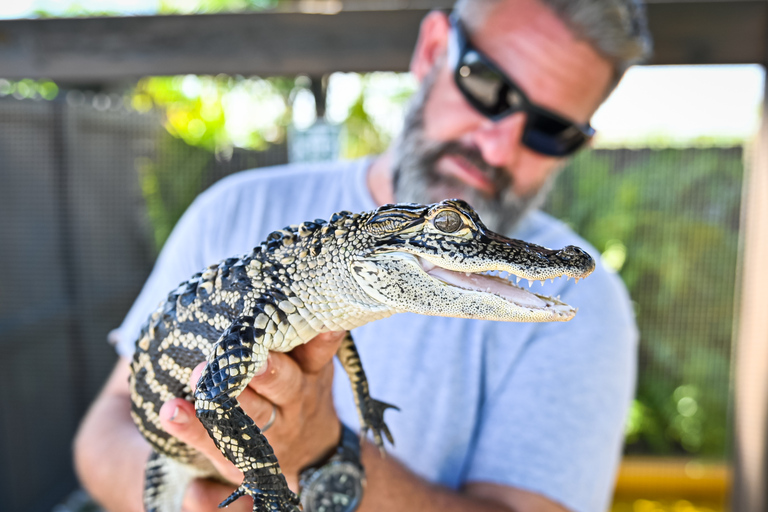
[(448, 221)]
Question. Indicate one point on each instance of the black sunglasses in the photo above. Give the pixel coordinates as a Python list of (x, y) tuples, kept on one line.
[(493, 94)]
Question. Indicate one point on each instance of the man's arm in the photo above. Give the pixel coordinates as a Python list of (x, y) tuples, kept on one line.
[(110, 453), (392, 487)]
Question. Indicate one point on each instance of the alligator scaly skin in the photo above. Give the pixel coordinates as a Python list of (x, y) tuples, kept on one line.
[(304, 280)]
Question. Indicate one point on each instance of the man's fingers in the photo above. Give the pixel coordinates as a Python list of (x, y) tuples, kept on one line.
[(177, 417), (258, 408), (281, 382), (196, 373), (314, 355)]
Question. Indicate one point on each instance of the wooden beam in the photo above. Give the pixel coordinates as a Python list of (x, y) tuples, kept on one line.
[(257, 43), (289, 43), (717, 32)]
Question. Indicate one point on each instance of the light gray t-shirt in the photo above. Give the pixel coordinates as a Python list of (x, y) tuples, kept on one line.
[(535, 406)]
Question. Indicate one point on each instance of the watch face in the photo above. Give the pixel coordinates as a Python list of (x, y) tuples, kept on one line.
[(335, 488)]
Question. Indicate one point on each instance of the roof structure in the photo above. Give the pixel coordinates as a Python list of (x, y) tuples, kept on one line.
[(317, 37)]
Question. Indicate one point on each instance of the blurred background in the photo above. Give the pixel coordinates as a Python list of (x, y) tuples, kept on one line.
[(115, 114)]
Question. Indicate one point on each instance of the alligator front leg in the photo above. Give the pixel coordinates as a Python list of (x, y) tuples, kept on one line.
[(233, 361), (370, 410)]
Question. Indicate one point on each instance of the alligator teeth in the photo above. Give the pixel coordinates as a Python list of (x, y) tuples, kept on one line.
[(517, 281), (426, 264), (530, 283)]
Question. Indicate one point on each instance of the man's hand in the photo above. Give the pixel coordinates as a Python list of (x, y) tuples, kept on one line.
[(306, 428)]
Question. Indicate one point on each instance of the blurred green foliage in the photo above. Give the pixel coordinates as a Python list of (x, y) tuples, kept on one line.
[(207, 117), (212, 111), (170, 182), (361, 136), (221, 112), (367, 123), (668, 221), (29, 89), (76, 9), (179, 172), (211, 6)]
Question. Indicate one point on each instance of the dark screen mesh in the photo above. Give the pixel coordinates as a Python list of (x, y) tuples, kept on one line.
[(668, 221), (78, 238)]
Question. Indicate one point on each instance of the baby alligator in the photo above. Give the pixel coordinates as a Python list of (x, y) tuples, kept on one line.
[(308, 279)]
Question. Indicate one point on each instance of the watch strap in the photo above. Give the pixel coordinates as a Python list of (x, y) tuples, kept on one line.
[(349, 445), (347, 450)]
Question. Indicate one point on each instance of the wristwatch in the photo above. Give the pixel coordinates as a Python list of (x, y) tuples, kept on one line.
[(336, 485)]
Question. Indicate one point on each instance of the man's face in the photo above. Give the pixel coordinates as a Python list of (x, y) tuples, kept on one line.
[(448, 149)]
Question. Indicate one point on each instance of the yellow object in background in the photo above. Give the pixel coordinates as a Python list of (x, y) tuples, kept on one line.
[(652, 484)]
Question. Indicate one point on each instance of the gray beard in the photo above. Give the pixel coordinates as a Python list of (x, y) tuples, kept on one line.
[(416, 179)]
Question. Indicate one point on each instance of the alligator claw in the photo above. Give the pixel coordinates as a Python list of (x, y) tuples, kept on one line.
[(264, 501), (373, 420)]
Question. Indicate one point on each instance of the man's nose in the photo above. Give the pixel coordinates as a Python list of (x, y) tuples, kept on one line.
[(500, 142)]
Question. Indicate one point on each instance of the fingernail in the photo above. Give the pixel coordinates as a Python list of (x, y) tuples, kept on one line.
[(179, 416), (264, 367)]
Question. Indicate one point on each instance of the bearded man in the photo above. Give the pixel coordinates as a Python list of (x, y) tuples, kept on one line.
[(494, 416)]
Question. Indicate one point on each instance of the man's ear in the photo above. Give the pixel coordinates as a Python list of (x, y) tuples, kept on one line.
[(431, 45)]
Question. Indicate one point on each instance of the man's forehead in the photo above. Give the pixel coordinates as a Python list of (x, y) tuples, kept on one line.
[(539, 51)]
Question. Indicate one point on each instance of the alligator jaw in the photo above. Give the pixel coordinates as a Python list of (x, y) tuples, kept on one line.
[(504, 288)]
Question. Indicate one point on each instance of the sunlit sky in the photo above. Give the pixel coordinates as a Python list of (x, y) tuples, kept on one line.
[(676, 104), (656, 104)]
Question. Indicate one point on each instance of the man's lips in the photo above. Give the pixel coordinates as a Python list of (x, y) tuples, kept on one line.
[(457, 167)]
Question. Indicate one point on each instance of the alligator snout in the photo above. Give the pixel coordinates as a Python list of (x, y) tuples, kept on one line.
[(577, 257)]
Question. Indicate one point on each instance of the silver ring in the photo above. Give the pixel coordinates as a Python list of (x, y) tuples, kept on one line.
[(271, 419)]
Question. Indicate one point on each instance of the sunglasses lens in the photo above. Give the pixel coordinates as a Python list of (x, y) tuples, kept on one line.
[(483, 86), (551, 136), (495, 96)]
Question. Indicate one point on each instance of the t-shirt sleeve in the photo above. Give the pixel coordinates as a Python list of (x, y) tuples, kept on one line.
[(181, 257), (552, 420)]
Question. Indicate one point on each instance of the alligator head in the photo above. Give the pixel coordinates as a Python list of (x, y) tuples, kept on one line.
[(441, 260)]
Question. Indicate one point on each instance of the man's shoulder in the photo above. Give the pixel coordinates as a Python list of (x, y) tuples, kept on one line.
[(285, 176), (542, 228), (240, 210)]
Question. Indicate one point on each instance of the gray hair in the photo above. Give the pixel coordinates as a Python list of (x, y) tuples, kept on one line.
[(616, 29)]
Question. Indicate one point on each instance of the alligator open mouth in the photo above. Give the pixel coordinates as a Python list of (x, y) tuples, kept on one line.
[(488, 282)]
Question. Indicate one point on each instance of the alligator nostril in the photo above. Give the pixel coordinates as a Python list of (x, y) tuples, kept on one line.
[(567, 253)]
